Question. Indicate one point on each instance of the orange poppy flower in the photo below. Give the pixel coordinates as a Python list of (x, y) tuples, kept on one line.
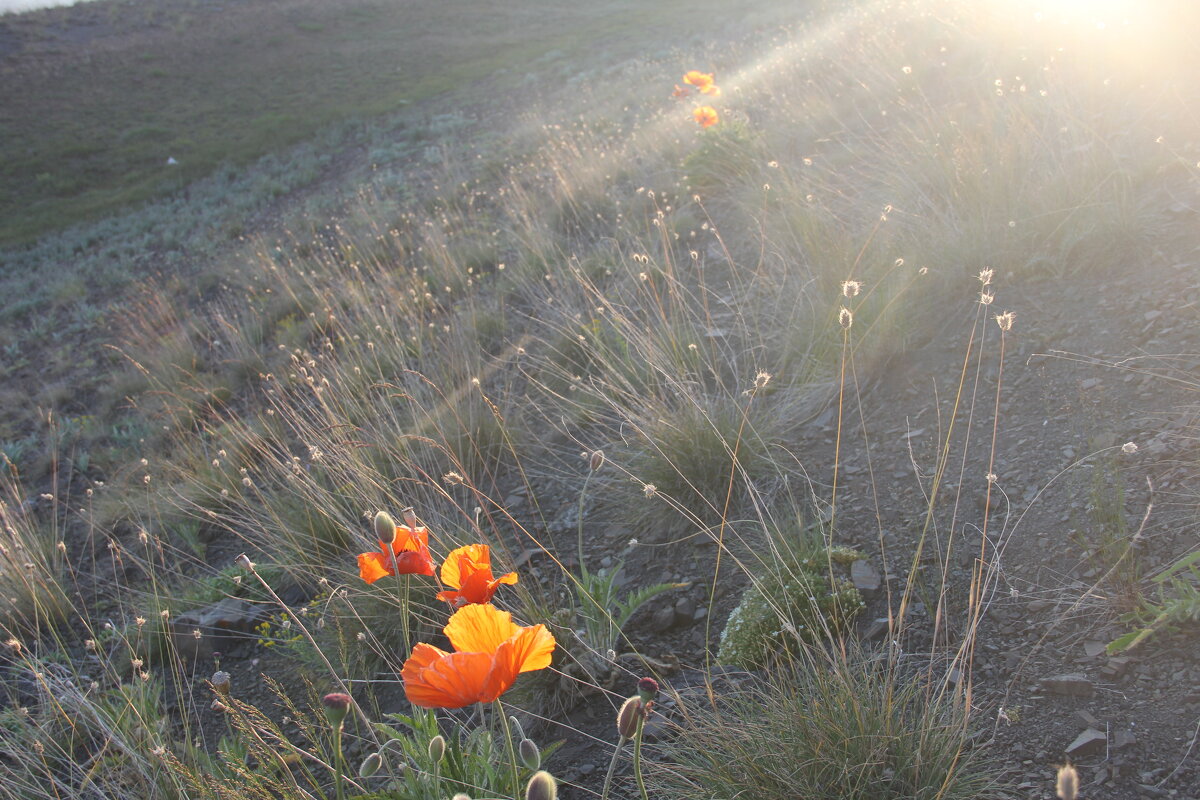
[(711, 89), (699, 79), (408, 555), (490, 652), (469, 570), (706, 116)]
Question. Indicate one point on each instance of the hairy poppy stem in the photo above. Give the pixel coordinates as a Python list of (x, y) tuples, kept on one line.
[(508, 743), (579, 529), (637, 758), (612, 767)]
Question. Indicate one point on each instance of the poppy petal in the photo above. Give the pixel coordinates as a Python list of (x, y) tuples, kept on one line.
[(373, 566), (531, 649), (479, 628), (436, 679), (462, 560)]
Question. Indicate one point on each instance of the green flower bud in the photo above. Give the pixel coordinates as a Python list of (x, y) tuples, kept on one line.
[(437, 748), (370, 765), (385, 527), (337, 705), (628, 716), (531, 756)]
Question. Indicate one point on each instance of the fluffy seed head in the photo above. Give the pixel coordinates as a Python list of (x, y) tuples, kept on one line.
[(1005, 320), (851, 288), (845, 318)]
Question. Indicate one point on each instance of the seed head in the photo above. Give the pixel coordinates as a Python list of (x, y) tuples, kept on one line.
[(596, 460), (649, 490), (647, 690), (1005, 320), (851, 288), (1129, 448), (221, 682), (985, 275), (845, 318)]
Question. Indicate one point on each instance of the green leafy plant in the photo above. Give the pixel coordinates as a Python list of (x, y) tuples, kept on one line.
[(799, 596), (1178, 602)]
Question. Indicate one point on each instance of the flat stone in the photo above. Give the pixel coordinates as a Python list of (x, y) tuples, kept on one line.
[(1089, 743), (1070, 685), (1123, 739), (663, 619), (864, 577)]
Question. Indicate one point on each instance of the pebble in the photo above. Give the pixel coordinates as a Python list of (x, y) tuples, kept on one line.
[(1090, 742)]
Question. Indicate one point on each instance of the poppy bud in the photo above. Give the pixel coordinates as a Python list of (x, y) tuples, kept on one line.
[(336, 705), (437, 748), (596, 460), (628, 716), (647, 690), (385, 527), (1068, 782), (370, 765), (542, 786), (531, 756), (221, 682)]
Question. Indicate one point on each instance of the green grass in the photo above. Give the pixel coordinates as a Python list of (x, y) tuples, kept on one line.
[(211, 87)]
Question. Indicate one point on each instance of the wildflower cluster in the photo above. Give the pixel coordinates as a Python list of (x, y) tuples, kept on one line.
[(490, 650), (704, 83)]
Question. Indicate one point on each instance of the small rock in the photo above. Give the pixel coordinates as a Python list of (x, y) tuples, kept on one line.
[(1116, 668), (1093, 649), (864, 577), (685, 611), (876, 630), (1088, 743), (663, 619), (1123, 739), (586, 769), (1070, 685)]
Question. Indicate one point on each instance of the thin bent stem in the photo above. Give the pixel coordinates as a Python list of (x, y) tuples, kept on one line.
[(612, 767), (508, 743)]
